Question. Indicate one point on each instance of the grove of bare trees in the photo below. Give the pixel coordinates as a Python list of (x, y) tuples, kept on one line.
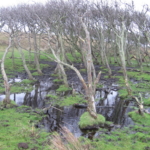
[(102, 33)]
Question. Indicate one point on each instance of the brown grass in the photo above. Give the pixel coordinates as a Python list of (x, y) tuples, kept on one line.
[(67, 142), (42, 44)]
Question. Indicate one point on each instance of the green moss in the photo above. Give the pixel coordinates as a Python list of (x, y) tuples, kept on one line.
[(74, 58), (120, 71), (123, 93), (120, 80), (108, 123), (141, 137), (70, 57), (105, 69), (86, 120), (128, 138), (20, 89), (78, 57), (2, 89), (138, 75), (140, 87), (146, 101), (15, 128), (24, 86), (83, 70), (42, 66), (99, 85), (54, 75), (71, 100), (52, 96), (27, 81), (106, 77), (145, 119), (63, 88), (57, 80), (35, 74)]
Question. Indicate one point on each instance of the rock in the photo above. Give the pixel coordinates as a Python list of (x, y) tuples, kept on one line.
[(23, 145)]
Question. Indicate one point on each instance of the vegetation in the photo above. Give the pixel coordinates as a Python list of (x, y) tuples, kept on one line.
[(87, 121), (71, 100), (89, 41), (123, 139), (66, 101), (19, 127), (63, 88), (143, 120)]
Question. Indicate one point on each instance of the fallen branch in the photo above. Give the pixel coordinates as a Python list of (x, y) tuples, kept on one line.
[(51, 107)]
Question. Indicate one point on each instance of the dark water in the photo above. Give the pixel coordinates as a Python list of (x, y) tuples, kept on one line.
[(108, 104)]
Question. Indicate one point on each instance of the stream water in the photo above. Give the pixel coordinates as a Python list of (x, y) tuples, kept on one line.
[(107, 104)]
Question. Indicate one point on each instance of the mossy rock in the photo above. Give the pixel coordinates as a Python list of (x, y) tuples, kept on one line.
[(88, 122)]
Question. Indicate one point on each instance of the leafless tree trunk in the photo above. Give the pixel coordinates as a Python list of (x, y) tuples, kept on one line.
[(83, 51), (25, 65), (59, 52), (102, 50), (29, 49), (36, 60), (121, 44), (139, 59), (6, 83), (91, 74), (23, 58)]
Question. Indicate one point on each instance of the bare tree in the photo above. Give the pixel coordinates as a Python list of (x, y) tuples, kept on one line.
[(6, 83)]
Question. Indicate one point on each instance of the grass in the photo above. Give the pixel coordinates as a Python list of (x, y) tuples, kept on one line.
[(77, 58), (18, 65), (35, 74), (83, 70), (19, 87), (123, 93), (16, 128), (71, 100), (117, 140), (120, 140), (58, 80), (66, 101), (24, 86), (138, 75), (146, 101), (70, 142), (63, 88), (144, 120), (86, 120)]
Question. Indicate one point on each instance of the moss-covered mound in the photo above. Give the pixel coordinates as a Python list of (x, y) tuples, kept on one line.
[(144, 120), (87, 121)]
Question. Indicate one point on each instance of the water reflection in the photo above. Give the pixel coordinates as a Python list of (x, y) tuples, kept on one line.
[(108, 104)]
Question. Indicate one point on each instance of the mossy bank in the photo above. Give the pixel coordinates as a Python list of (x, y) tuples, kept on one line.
[(18, 126)]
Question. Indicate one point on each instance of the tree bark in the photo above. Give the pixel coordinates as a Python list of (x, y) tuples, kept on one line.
[(36, 60), (90, 69), (25, 65), (120, 42), (6, 83)]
